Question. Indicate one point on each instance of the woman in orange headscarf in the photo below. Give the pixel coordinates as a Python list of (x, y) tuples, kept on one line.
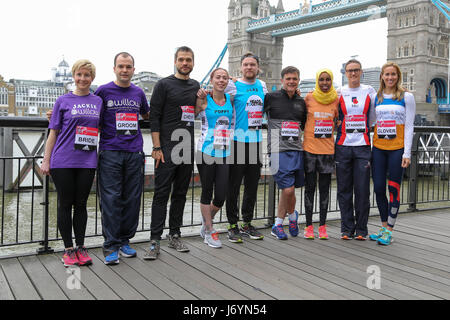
[(318, 145)]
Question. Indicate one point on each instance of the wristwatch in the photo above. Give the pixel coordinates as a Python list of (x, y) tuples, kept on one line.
[(156, 148)]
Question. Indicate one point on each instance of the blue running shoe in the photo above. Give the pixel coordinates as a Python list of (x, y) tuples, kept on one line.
[(386, 238), (278, 232), (112, 258), (127, 252), (376, 236), (293, 225)]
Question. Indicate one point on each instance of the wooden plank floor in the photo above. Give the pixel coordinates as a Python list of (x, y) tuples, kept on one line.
[(415, 266)]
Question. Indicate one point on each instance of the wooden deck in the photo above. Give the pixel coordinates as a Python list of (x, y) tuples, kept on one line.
[(415, 266)]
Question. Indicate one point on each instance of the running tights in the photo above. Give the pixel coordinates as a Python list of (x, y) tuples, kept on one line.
[(73, 186), (387, 164), (324, 190)]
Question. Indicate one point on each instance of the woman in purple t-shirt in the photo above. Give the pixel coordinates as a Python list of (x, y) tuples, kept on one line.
[(71, 158)]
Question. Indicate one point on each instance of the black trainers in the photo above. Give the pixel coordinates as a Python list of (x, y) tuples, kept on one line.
[(176, 243), (234, 235), (250, 231), (153, 252)]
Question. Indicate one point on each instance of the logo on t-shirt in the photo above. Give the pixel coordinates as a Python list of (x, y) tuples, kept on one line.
[(355, 101)]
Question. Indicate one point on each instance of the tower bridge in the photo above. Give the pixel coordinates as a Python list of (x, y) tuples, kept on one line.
[(418, 40)]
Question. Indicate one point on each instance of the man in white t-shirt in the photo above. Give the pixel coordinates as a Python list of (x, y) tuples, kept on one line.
[(353, 153)]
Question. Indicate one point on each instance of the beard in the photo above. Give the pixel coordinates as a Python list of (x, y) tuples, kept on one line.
[(184, 73)]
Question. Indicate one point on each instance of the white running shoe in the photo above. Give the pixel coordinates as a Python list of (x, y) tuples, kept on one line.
[(212, 239)]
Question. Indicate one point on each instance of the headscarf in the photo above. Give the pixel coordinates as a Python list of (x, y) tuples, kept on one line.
[(319, 95)]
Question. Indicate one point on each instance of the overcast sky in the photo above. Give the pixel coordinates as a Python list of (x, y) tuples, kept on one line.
[(37, 34)]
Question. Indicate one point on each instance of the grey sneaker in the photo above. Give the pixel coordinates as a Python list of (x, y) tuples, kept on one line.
[(212, 239), (202, 231), (153, 252), (176, 243)]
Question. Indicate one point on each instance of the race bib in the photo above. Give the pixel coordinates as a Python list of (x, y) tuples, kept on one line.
[(355, 123), (290, 130), (188, 115), (126, 123), (323, 129), (386, 129), (86, 138), (221, 139), (254, 110)]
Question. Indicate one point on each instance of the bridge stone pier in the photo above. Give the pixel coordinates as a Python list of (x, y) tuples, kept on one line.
[(418, 40)]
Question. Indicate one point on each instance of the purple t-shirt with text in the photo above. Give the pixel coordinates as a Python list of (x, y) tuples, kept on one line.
[(77, 118), (120, 115)]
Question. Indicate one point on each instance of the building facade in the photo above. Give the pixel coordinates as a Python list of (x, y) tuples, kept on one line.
[(268, 49), (418, 41), (7, 98)]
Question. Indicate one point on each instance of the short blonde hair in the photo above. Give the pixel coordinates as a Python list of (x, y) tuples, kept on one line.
[(83, 63)]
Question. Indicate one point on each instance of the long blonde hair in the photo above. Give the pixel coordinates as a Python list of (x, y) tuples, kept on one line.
[(399, 90)]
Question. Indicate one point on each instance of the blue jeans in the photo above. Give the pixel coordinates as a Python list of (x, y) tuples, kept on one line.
[(120, 176)]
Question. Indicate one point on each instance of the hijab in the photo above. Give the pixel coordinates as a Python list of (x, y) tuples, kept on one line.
[(324, 97)]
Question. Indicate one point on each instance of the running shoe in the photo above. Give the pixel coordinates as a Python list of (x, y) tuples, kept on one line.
[(323, 235), (250, 231), (346, 236), (176, 243), (293, 225), (386, 238), (153, 252), (112, 258), (376, 236), (127, 252), (83, 256), (309, 232), (70, 258), (212, 239), (361, 238), (202, 231), (234, 235), (278, 232)]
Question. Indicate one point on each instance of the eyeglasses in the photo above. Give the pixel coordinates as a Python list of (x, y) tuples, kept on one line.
[(353, 70)]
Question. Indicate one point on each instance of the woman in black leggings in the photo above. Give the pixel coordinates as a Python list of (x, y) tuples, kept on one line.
[(213, 149), (71, 158)]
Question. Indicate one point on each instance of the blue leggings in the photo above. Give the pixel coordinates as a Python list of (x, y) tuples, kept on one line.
[(387, 164)]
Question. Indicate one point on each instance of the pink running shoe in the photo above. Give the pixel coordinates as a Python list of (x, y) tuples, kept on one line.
[(309, 232), (83, 256), (323, 235), (70, 258)]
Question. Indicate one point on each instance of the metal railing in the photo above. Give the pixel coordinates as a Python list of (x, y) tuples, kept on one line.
[(28, 212)]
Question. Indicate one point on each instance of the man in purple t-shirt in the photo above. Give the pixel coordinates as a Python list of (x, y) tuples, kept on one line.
[(121, 159)]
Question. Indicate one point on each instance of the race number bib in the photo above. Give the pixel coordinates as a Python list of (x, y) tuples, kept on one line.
[(290, 130), (323, 129), (221, 139), (188, 115), (355, 123), (126, 123), (386, 129), (86, 138), (254, 110)]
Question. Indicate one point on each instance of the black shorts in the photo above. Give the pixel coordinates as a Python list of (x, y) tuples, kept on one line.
[(322, 163)]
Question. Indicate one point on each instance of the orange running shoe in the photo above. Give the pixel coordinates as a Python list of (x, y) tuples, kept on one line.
[(323, 235), (309, 232)]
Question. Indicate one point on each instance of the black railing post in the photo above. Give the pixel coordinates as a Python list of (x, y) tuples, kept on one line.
[(413, 174), (45, 221), (271, 202)]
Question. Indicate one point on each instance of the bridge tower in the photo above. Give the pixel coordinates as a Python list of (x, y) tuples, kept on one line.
[(268, 48), (418, 41)]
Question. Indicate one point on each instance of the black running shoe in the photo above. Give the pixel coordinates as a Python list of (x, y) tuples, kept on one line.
[(250, 231), (234, 235)]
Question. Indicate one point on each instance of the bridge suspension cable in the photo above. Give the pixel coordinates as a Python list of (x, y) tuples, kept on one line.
[(445, 9), (215, 65)]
